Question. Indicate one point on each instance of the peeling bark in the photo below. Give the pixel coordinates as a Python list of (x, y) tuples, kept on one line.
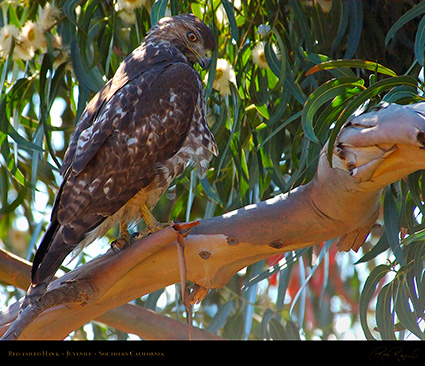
[(342, 201)]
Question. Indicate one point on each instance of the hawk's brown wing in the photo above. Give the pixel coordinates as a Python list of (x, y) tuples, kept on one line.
[(150, 118), (134, 67), (144, 123)]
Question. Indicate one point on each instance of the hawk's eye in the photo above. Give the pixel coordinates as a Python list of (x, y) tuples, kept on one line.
[(192, 37)]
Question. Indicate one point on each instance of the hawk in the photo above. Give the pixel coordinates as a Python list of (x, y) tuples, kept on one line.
[(134, 137)]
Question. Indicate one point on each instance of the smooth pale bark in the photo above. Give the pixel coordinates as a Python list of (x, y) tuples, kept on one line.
[(129, 318), (342, 201)]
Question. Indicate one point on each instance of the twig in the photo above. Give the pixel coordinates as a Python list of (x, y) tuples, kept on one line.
[(33, 309), (183, 230)]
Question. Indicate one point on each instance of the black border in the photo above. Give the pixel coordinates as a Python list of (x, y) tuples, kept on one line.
[(198, 352)]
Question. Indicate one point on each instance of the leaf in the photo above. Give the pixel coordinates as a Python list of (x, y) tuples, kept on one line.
[(402, 94), (384, 313), (250, 295), (323, 251), (392, 226), (289, 260), (280, 127), (152, 299), (212, 194), (278, 67), (420, 42), (294, 88), (220, 317), (69, 10), (356, 27), (234, 31), (158, 11), (302, 20), (342, 26), (292, 331), (234, 327), (405, 315), (360, 99), (417, 10), (260, 96), (13, 169), (381, 246), (10, 207), (324, 93), (264, 326), (377, 274), (262, 110), (361, 64), (85, 75), (277, 330)]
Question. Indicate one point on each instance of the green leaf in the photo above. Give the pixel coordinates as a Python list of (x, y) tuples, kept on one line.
[(212, 194), (367, 293), (420, 42), (250, 295), (158, 11), (234, 327), (384, 313), (260, 94), (361, 98), (12, 167), (323, 251), (289, 260), (220, 317), (87, 76), (402, 94), (392, 226), (261, 109), (360, 64), (234, 31), (406, 316), (356, 27), (381, 246), (342, 25), (9, 208), (324, 93), (277, 330), (278, 67), (264, 326), (303, 22), (279, 128), (69, 10), (417, 10)]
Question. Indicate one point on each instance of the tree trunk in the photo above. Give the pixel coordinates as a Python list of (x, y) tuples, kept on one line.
[(342, 201)]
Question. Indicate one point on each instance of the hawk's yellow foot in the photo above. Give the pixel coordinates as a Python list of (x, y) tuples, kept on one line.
[(152, 224), (123, 240)]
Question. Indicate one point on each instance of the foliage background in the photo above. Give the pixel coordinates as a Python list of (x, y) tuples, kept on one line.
[(270, 121)]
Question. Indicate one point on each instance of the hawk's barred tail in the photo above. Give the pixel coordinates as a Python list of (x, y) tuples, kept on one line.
[(34, 293), (43, 249), (50, 254)]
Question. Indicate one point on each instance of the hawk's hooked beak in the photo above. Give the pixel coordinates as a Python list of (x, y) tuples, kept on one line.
[(204, 62)]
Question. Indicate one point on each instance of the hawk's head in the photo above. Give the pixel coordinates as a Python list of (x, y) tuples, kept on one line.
[(189, 34)]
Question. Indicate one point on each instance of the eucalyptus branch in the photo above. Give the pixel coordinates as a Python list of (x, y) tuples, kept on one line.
[(342, 201)]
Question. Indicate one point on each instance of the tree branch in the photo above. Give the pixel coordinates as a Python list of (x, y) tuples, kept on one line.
[(129, 318), (342, 201)]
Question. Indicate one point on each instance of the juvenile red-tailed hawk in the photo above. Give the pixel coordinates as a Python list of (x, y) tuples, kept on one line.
[(135, 136)]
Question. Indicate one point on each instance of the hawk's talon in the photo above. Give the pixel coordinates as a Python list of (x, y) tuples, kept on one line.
[(157, 226), (134, 237), (119, 244)]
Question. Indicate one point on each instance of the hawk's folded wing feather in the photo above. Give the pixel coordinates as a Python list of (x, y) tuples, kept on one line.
[(141, 126)]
